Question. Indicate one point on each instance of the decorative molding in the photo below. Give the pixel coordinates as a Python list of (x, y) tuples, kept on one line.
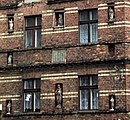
[(65, 95), (10, 79)]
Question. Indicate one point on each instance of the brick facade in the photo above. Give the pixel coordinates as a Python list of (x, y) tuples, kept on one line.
[(108, 59)]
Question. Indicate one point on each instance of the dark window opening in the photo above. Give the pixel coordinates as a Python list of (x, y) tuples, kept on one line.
[(111, 48)]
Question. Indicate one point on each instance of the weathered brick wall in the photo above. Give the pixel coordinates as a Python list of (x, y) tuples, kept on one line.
[(39, 61)]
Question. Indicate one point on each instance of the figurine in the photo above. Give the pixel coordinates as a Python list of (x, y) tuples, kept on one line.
[(58, 93), (11, 24), (8, 107), (111, 13)]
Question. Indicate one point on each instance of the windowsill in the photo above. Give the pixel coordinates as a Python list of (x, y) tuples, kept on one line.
[(58, 27), (39, 114), (23, 114), (88, 111), (32, 48), (88, 44), (60, 1), (32, 2), (111, 21)]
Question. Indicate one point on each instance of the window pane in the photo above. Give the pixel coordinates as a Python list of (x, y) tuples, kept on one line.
[(29, 21), (27, 101), (84, 34), (28, 84), (37, 101), (38, 38), (93, 32), (36, 84), (83, 99), (38, 20), (94, 99), (83, 15), (94, 80), (84, 81), (93, 15), (29, 38)]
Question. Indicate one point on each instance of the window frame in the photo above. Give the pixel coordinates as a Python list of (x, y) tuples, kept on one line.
[(32, 91), (89, 88), (34, 28), (55, 56), (88, 22)]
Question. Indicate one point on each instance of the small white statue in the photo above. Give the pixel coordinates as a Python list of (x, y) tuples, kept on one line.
[(8, 107), (111, 13), (58, 93), (112, 103), (60, 20), (10, 57), (11, 24)]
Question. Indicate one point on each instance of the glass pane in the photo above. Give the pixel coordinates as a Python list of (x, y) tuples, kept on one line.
[(38, 20), (37, 102), (29, 35), (27, 102), (29, 22), (93, 15), (38, 38), (83, 99), (84, 16), (94, 80), (84, 81), (93, 33), (94, 99), (36, 84), (84, 34), (28, 84)]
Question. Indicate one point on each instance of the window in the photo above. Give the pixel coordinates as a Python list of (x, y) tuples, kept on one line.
[(33, 31), (88, 93), (31, 95), (88, 26), (59, 56)]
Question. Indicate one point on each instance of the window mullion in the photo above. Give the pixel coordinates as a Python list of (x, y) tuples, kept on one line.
[(89, 99)]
